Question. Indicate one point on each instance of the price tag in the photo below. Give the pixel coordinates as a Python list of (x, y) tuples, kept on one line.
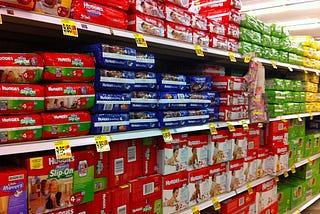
[(260, 125), (305, 71), (290, 69), (317, 73), (282, 119), (293, 168), (195, 210), (299, 118), (198, 50), (286, 174), (167, 137), (69, 28), (0, 19), (245, 125), (102, 144), (231, 127), (232, 57), (63, 149), (216, 204), (311, 116), (250, 191), (247, 58), (274, 64), (36, 163), (141, 42), (310, 162), (278, 167), (260, 172), (213, 129), (276, 179)]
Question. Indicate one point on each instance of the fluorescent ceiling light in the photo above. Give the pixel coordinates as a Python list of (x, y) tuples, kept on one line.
[(272, 4), (303, 27)]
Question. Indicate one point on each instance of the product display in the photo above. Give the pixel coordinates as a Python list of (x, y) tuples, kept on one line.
[(146, 25)]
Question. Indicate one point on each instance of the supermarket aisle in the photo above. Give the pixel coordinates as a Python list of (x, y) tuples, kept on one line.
[(314, 209)]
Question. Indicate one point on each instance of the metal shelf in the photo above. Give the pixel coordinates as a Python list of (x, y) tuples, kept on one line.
[(305, 205)]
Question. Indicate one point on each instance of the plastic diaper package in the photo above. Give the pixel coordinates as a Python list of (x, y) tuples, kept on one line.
[(106, 123), (145, 81), (144, 100), (143, 120), (112, 102), (172, 82), (173, 100), (114, 80)]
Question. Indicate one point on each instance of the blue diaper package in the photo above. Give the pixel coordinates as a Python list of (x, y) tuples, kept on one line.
[(145, 61), (112, 56), (106, 123), (144, 100), (112, 102), (113, 80), (173, 100), (213, 114), (198, 101), (197, 117), (145, 81), (143, 120), (214, 98), (172, 82), (172, 118), (200, 83)]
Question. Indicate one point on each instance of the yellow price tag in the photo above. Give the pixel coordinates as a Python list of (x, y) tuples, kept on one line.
[(36, 163), (317, 73), (260, 173), (63, 149), (274, 64), (198, 50), (293, 168), (102, 144), (69, 28), (213, 129), (282, 119), (311, 116), (310, 162), (260, 125), (0, 19), (276, 179), (290, 69), (245, 125), (140, 41), (278, 167), (250, 191), (299, 118), (231, 127), (305, 71), (247, 58), (195, 210), (216, 204), (286, 174), (232, 57), (167, 137)]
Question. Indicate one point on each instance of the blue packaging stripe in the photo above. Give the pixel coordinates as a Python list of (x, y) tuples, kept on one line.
[(113, 80), (112, 102), (141, 101), (145, 81), (172, 82), (200, 83), (106, 123), (145, 61)]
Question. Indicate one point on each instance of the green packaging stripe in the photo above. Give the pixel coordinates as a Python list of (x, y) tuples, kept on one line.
[(84, 184), (244, 47), (266, 40), (69, 72), (24, 105), (64, 128), (20, 135)]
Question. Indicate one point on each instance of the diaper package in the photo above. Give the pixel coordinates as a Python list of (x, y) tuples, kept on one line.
[(180, 3), (58, 8), (112, 102), (233, 45), (143, 100), (20, 68), (112, 56), (198, 101), (25, 4), (65, 124), (68, 67), (200, 37), (20, 128), (146, 24), (114, 80), (145, 81), (218, 41), (148, 7), (234, 99), (217, 28), (199, 22), (173, 118), (213, 114), (99, 14), (228, 83), (120, 4), (200, 83), (178, 32), (21, 98), (106, 123), (172, 82), (145, 61), (143, 120), (214, 98), (197, 117), (173, 100), (69, 96), (177, 15), (227, 113)]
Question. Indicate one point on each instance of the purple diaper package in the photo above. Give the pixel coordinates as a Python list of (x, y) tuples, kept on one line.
[(173, 100), (172, 82), (145, 81), (143, 120), (145, 61), (213, 114), (200, 83), (214, 98), (112, 56), (114, 80), (172, 118), (198, 101), (197, 117), (144, 100), (112, 102), (106, 123)]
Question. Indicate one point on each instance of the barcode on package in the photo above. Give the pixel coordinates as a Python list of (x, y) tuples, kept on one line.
[(118, 166), (148, 188), (268, 212), (107, 107), (132, 154), (105, 129), (280, 126), (309, 174), (241, 201), (122, 209)]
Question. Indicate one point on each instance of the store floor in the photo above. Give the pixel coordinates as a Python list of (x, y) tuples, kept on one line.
[(314, 209)]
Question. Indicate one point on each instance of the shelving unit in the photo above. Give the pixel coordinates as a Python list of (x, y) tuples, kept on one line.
[(304, 206)]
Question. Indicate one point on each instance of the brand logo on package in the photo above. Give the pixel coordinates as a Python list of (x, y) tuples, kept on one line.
[(8, 120), (55, 89), (196, 178), (4, 88), (92, 7), (174, 181), (14, 187), (64, 59)]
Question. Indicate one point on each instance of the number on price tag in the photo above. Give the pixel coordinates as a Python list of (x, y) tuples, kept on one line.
[(102, 144), (260, 173), (247, 58), (167, 137), (213, 129), (305, 71), (290, 69), (36, 163), (63, 149), (195, 210), (216, 204), (276, 178), (245, 125), (299, 118), (250, 191), (231, 127), (286, 174), (274, 64), (69, 28), (232, 57), (0, 19), (260, 125), (310, 162), (293, 168), (140, 41), (311, 116), (198, 50)]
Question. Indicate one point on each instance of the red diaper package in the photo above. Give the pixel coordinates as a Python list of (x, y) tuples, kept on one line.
[(178, 32), (227, 113), (149, 156), (146, 24), (228, 83), (120, 4), (20, 68), (22, 4), (120, 199), (101, 164), (102, 202), (233, 31), (217, 41), (177, 15), (199, 22), (224, 16), (20, 128), (58, 8), (21, 98), (233, 45), (226, 4), (217, 27), (66, 124), (68, 67), (99, 14), (181, 3), (148, 7), (200, 38), (69, 96)]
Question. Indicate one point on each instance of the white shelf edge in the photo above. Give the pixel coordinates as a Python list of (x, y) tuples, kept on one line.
[(304, 206), (305, 161), (293, 116)]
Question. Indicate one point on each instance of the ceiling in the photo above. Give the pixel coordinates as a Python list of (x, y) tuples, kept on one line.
[(300, 17)]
